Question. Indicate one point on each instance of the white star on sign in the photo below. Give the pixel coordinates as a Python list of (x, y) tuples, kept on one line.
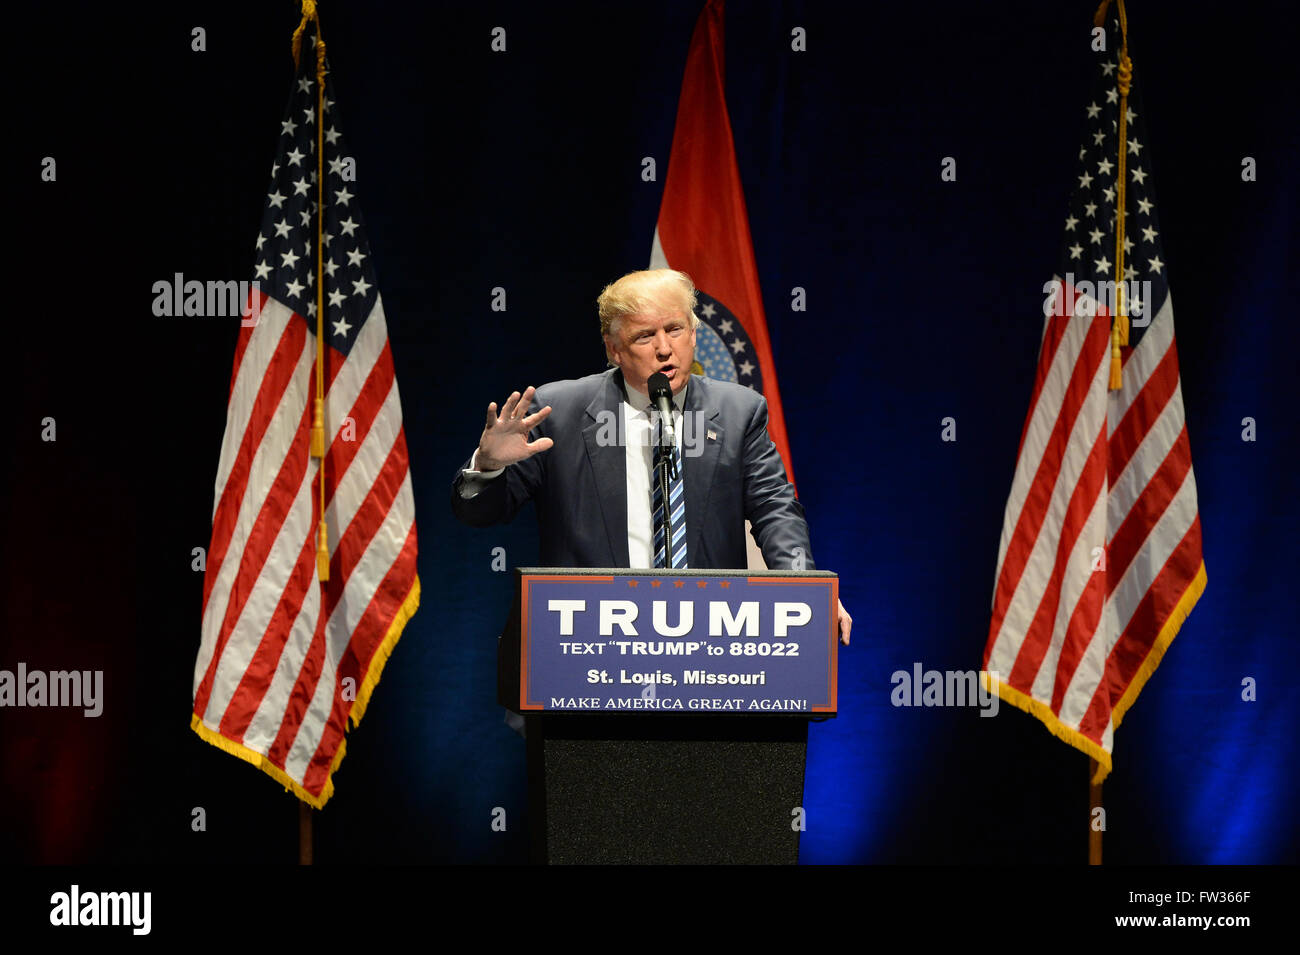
[(287, 127), (281, 229), (1076, 250), (311, 116), (1144, 207), (300, 187), (341, 196), (1107, 69), (294, 288), (355, 257), (1134, 146), (1085, 181), (336, 298), (746, 368), (1104, 167), (276, 199), (331, 266), (724, 326), (1156, 264), (295, 158), (289, 259), (1139, 176), (1093, 110), (1149, 234), (331, 135), (1112, 96), (360, 286), (738, 346), (1070, 223), (348, 226), (341, 327), (1103, 264), (262, 269), (1096, 236), (708, 310), (1098, 138), (304, 85)]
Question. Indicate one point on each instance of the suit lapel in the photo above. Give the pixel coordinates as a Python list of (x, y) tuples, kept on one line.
[(609, 463), (701, 417)]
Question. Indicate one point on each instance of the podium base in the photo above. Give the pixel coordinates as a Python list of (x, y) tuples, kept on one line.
[(665, 788)]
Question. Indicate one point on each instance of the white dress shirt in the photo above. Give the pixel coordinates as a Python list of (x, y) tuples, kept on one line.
[(638, 427)]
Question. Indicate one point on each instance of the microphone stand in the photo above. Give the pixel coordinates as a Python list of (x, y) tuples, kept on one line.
[(667, 471)]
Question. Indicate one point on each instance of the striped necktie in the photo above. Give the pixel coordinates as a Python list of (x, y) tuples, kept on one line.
[(676, 496)]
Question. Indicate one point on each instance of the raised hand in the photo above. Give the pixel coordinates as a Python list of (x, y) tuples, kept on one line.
[(505, 435)]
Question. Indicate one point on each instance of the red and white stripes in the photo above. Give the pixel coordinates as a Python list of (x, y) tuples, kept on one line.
[(285, 660), (1100, 557)]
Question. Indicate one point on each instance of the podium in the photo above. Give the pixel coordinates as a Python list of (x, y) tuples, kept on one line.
[(666, 713)]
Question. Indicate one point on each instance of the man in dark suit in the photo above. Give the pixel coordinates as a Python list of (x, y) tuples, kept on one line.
[(593, 485)]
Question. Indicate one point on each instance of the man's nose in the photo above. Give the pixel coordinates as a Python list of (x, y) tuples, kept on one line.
[(662, 348)]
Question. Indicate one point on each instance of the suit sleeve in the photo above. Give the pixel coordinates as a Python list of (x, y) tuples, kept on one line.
[(500, 498), (775, 514)]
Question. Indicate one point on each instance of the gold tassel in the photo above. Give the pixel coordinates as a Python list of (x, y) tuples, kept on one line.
[(322, 552)]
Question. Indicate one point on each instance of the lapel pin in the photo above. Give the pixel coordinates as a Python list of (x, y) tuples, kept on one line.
[(712, 435)]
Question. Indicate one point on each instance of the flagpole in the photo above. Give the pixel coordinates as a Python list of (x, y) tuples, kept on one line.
[(304, 834), (1095, 829)]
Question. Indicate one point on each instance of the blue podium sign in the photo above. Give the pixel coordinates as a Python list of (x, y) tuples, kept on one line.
[(698, 642)]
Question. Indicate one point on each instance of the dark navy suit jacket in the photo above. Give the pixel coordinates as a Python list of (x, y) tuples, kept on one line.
[(579, 486)]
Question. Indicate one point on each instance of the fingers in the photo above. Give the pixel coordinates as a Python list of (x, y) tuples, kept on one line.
[(541, 444), (516, 406), (846, 625), (508, 409), (534, 419), (491, 415)]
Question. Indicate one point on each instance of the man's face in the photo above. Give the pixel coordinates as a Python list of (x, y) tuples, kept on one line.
[(658, 338)]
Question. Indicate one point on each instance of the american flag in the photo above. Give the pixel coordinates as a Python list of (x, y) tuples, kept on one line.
[(284, 659), (1100, 558)]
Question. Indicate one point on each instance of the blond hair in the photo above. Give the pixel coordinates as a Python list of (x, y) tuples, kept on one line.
[(637, 291)]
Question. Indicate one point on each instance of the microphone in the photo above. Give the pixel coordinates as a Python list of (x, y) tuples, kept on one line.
[(661, 395)]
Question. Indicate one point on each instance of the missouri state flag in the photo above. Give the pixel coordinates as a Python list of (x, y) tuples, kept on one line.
[(703, 230)]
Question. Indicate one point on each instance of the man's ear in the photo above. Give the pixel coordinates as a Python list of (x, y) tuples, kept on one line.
[(609, 351)]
